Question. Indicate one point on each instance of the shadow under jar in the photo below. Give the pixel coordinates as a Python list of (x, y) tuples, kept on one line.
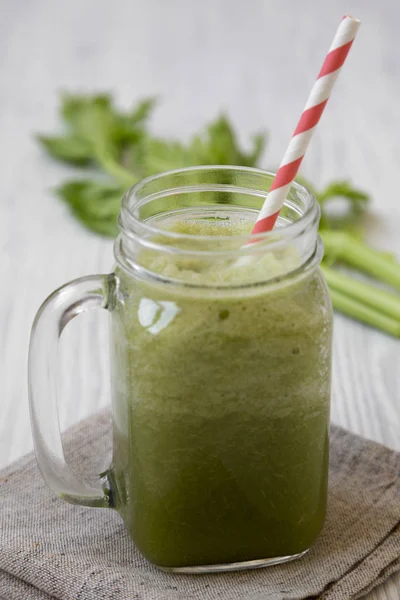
[(221, 367)]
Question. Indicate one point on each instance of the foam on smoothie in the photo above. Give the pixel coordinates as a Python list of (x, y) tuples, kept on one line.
[(216, 271)]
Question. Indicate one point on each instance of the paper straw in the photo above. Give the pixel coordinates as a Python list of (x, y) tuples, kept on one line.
[(307, 124)]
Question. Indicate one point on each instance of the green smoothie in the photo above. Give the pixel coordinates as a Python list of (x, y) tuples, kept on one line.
[(221, 406)]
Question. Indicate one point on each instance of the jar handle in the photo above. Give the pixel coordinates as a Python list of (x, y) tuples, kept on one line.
[(55, 313)]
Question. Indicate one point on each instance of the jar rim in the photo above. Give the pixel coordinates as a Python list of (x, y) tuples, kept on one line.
[(299, 272), (129, 221)]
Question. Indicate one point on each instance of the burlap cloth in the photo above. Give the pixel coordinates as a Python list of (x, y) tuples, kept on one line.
[(51, 549)]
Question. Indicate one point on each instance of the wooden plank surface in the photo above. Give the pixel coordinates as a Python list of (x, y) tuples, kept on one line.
[(255, 60)]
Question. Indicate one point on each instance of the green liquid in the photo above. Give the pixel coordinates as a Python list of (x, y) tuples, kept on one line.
[(221, 411)]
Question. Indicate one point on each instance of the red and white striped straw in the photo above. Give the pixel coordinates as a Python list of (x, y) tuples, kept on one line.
[(307, 124)]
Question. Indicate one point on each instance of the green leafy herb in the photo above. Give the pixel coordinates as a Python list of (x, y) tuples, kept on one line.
[(117, 144), (351, 202), (68, 148), (356, 201), (119, 150), (94, 203)]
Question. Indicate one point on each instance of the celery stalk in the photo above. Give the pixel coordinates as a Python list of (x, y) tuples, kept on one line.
[(366, 314), (378, 299), (345, 247)]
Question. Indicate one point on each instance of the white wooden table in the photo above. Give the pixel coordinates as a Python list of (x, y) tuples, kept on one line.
[(257, 60)]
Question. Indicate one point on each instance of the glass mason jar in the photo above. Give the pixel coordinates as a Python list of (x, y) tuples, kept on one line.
[(221, 368)]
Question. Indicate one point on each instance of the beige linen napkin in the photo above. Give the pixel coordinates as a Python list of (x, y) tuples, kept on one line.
[(51, 549)]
